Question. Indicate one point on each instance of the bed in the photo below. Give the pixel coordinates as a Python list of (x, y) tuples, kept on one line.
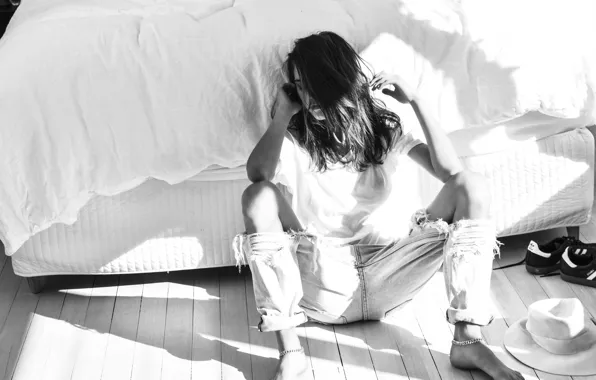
[(126, 124)]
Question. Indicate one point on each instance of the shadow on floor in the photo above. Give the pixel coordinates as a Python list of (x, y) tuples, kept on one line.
[(214, 347), (206, 348)]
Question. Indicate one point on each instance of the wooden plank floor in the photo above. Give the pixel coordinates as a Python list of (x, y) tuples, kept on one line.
[(201, 325)]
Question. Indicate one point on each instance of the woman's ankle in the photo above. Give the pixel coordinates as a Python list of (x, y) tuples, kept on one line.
[(466, 331), (288, 340)]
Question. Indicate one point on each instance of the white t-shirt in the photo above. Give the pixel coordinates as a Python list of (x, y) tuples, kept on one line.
[(343, 205)]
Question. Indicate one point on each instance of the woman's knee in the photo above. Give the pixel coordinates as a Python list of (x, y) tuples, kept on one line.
[(259, 199), (473, 193)]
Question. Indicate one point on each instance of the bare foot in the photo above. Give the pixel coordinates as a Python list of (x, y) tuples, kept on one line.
[(479, 356), (292, 366)]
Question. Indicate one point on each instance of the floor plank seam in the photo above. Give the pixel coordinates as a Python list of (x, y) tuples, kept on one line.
[(428, 346), (165, 324), (61, 308), (3, 265), (372, 362), (244, 277), (163, 339), (401, 357), (220, 328), (341, 361), (309, 356), (11, 304), (110, 327), (192, 326), (136, 333), (140, 308), (83, 321), (12, 370)]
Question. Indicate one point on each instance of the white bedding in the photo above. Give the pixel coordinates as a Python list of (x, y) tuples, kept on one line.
[(96, 96), (157, 227)]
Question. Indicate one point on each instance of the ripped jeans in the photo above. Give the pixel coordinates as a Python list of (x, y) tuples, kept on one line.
[(298, 277)]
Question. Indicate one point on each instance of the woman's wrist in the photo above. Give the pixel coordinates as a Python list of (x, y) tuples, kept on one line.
[(419, 107), (413, 99), (281, 121), (415, 106)]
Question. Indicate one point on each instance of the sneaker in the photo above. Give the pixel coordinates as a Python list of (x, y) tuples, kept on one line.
[(546, 258), (579, 265)]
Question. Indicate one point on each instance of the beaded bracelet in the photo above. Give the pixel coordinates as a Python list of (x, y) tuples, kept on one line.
[(467, 342), (282, 353)]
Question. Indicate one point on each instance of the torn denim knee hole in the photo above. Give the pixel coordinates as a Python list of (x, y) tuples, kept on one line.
[(265, 246), (268, 257), (459, 251), (257, 247), (472, 239), (467, 236), (266, 249), (421, 221)]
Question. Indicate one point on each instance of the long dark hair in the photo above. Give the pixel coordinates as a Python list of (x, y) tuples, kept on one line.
[(332, 74)]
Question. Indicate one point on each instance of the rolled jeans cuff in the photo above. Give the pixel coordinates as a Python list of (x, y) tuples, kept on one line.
[(281, 322), (473, 317), (276, 279)]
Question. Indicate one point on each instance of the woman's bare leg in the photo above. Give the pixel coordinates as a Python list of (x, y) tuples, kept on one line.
[(266, 210), (466, 196)]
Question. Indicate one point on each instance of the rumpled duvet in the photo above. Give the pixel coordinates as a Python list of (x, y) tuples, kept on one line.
[(96, 96)]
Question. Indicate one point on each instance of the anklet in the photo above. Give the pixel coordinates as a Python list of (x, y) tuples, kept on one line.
[(282, 353), (467, 342)]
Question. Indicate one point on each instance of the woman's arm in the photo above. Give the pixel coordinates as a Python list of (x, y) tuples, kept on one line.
[(439, 156), (445, 161), (421, 155), (263, 160)]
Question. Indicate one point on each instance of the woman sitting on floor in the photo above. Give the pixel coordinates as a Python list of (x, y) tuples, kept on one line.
[(338, 269)]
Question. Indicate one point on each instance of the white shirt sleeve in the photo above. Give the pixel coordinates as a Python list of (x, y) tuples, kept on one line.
[(285, 173), (405, 143), (407, 140)]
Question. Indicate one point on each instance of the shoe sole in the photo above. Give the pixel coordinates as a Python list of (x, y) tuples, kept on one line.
[(542, 270), (578, 280)]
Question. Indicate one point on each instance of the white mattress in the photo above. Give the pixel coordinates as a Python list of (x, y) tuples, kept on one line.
[(540, 184), (154, 227), (159, 227)]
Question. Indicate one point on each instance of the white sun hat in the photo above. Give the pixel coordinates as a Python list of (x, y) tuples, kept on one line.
[(556, 337)]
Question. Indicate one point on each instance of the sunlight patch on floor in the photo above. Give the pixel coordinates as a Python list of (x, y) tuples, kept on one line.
[(243, 347), (201, 294), (51, 342), (83, 292)]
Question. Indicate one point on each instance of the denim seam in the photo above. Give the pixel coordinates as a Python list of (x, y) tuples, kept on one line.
[(400, 245), (360, 269), (342, 318)]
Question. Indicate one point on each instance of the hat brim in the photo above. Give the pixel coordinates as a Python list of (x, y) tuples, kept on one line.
[(520, 344)]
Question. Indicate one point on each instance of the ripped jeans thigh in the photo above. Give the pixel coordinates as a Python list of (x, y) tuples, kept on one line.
[(468, 254), (394, 274), (297, 277)]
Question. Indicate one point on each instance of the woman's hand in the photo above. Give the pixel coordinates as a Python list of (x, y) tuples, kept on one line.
[(284, 108), (389, 84)]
